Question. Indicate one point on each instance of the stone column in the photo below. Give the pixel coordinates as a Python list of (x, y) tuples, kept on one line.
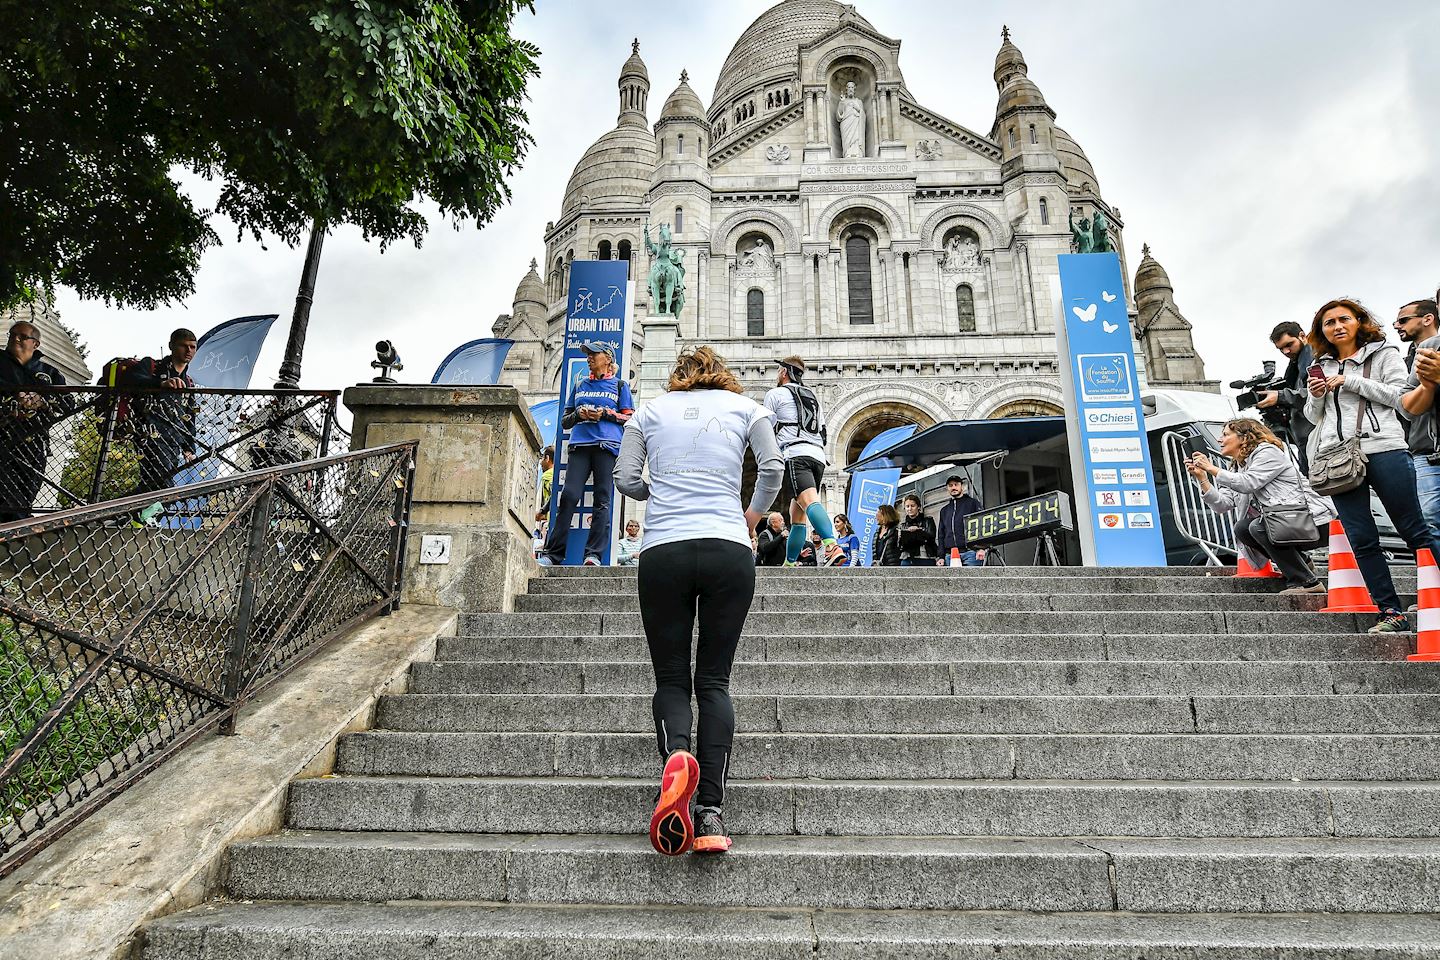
[(474, 482)]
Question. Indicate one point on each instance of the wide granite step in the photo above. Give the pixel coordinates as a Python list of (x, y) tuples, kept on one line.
[(960, 602), (883, 873), (959, 677), (418, 930), (943, 808), (906, 584), (953, 646), (1192, 756), (629, 713)]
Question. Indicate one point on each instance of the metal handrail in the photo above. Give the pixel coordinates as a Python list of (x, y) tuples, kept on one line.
[(65, 446), (122, 639), (1195, 521)]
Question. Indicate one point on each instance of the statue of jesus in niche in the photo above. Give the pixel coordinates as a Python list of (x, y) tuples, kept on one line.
[(851, 114)]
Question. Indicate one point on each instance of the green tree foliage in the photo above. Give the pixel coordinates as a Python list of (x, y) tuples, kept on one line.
[(341, 111)]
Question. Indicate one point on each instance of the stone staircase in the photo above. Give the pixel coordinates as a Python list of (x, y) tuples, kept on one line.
[(1065, 764)]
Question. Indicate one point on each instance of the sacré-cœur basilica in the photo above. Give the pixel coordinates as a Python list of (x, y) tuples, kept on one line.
[(823, 211)]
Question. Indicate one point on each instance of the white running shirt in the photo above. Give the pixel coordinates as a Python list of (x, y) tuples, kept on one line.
[(794, 441), (695, 442)]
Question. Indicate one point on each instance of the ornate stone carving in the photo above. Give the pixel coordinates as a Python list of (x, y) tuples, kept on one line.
[(777, 153), (757, 262), (962, 254), (831, 188), (929, 149), (851, 114)]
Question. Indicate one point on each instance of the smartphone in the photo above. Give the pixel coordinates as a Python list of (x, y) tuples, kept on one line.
[(1194, 445), (1316, 372)]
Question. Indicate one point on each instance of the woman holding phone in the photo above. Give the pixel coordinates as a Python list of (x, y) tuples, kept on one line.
[(1355, 388)]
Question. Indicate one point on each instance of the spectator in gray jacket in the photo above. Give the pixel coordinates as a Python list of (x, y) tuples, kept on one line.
[(1359, 393), (1265, 476)]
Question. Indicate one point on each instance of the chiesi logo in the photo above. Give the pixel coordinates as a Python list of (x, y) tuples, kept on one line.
[(1111, 420)]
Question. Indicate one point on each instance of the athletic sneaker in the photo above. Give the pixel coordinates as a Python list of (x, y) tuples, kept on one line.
[(672, 831), (1316, 587), (592, 561), (710, 835), (1391, 623), (544, 561), (834, 555), (789, 563)]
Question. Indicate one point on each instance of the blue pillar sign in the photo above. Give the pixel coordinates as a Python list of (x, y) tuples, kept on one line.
[(597, 310), (1116, 510)]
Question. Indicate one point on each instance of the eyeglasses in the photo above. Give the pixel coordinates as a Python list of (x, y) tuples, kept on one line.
[(34, 340), (1400, 320)]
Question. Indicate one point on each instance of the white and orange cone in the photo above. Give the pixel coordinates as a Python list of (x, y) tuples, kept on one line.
[(1244, 570), (1427, 643), (1348, 593)]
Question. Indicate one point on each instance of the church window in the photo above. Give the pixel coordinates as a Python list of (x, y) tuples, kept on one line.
[(1044, 211), (604, 249), (1013, 139), (857, 279), (1033, 137), (680, 145), (700, 146), (755, 313), (662, 146), (624, 254), (787, 98), (965, 307), (769, 100), (679, 219)]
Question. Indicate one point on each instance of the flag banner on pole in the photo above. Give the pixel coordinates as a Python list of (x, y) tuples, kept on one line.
[(873, 487), (225, 356), (474, 364)]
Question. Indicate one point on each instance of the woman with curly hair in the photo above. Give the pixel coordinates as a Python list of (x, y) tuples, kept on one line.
[(1264, 476), (1357, 393), (696, 560)]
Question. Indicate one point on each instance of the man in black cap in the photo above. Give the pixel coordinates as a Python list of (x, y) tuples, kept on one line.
[(596, 412), (951, 534), (25, 419), (800, 429)]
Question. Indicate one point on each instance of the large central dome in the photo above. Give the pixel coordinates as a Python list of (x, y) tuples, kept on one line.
[(769, 47)]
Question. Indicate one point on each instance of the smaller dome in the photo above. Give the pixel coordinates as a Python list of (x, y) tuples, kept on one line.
[(1019, 92), (1009, 59), (1152, 283), (531, 289), (634, 67), (615, 171), (1073, 160), (684, 103)]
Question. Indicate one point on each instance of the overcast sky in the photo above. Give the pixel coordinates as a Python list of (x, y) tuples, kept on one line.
[(1273, 155)]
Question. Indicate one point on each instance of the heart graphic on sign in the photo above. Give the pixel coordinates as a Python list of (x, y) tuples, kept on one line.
[(1107, 296), (1109, 327), (1087, 314)]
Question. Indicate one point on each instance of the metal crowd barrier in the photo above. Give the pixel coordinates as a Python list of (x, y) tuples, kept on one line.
[(1212, 532), (61, 447), (132, 627)]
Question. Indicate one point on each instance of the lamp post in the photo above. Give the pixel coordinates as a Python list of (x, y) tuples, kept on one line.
[(300, 321)]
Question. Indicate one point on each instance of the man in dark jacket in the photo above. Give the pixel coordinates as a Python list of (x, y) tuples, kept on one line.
[(25, 420), (952, 522), (165, 425), (1289, 339), (770, 542)]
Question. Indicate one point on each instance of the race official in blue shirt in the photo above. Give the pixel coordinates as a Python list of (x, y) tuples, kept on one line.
[(596, 412)]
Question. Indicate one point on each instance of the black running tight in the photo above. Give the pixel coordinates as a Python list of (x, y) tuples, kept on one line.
[(714, 579)]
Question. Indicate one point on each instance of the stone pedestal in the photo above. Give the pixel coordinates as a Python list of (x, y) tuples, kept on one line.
[(662, 337), (474, 481)]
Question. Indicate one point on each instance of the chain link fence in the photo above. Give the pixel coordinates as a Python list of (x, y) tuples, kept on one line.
[(129, 628), (61, 447)]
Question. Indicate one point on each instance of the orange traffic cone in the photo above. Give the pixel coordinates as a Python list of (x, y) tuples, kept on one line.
[(1245, 570), (1348, 593), (1427, 644), (955, 560)]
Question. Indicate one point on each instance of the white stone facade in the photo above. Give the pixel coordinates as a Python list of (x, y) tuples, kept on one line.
[(953, 233)]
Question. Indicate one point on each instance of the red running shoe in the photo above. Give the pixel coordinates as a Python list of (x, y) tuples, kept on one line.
[(672, 831)]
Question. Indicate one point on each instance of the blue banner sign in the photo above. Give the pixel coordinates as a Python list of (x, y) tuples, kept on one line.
[(1116, 510), (225, 356), (598, 311), (872, 488), (474, 364)]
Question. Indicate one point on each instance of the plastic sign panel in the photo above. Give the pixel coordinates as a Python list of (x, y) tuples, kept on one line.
[(1116, 508), (598, 311), (872, 488)]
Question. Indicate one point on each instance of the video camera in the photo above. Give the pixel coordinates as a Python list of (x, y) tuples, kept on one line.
[(1263, 382)]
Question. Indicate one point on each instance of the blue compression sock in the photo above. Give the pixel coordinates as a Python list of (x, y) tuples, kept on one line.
[(796, 542), (820, 520)]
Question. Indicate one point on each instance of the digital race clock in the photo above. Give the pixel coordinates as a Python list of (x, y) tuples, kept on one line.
[(1020, 520)]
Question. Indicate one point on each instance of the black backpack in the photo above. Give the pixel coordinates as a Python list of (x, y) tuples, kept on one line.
[(808, 406)]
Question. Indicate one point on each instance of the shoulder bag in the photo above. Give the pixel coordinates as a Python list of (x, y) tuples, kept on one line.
[(1340, 467)]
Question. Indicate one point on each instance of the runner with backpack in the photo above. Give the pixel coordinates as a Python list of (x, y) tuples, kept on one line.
[(800, 429)]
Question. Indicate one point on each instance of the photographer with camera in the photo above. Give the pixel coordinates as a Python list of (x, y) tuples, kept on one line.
[(1284, 407), (1417, 325)]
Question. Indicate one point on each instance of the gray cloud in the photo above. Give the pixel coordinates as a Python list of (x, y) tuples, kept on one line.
[(1272, 154)]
